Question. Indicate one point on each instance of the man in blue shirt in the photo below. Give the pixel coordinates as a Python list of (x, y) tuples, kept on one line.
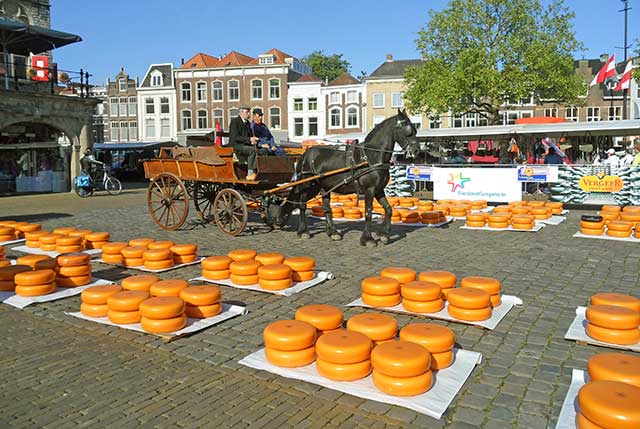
[(261, 131), (552, 157)]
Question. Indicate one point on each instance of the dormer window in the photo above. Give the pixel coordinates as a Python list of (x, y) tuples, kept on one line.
[(156, 79), (266, 59)]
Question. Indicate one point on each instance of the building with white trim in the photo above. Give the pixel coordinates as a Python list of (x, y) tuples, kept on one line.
[(157, 117)]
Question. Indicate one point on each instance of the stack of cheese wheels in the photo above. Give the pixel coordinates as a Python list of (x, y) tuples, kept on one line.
[(325, 318), (242, 255), (520, 210), (317, 211), (22, 229), (611, 209), (7, 274), (555, 206), (425, 205), (38, 262), (74, 269), (82, 233), (157, 259), (3, 258), (393, 201), (95, 240), (612, 324), (490, 285), (33, 238), (132, 255), (608, 216), (619, 228), (406, 202), (7, 233), (401, 368), (290, 343), (458, 210), (48, 242), (184, 253), (344, 355), (349, 204), (380, 291), (605, 404), (523, 221), (469, 304), (438, 340), (422, 297), (202, 301), (380, 328), (111, 252), (123, 307), (536, 204), (141, 242), (170, 287), (445, 279), (163, 314), (302, 268), (615, 367), (400, 274), (502, 210), (161, 244), (94, 300), (270, 258), (629, 214), (64, 230), (35, 283), (592, 225), (272, 276), (69, 244), (352, 213), (396, 216), (476, 220), (499, 220), (540, 213), (244, 273), (337, 212), (618, 299), (430, 217), (216, 267), (478, 204), (410, 217), (142, 282)]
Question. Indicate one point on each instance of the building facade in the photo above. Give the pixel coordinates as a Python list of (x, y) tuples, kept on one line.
[(157, 117), (121, 123), (345, 99), (99, 93), (307, 109)]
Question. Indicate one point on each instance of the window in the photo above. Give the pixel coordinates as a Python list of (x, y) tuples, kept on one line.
[(335, 118), (352, 96), (216, 91), (593, 114), (266, 60), (234, 90), (133, 106), (274, 89), (352, 116), (186, 119), (115, 132), (124, 131), (274, 117), (377, 119), (435, 121), (165, 127), (201, 91), (457, 121), (615, 113), (416, 120), (313, 103), (256, 89), (113, 106), (298, 127), (202, 119), (334, 97), (149, 107), (571, 114), (150, 127), (122, 85), (396, 99), (122, 106), (186, 92), (551, 112), (297, 104), (509, 118), (156, 79), (470, 120), (313, 126), (218, 117), (378, 100), (233, 112), (164, 105), (133, 130)]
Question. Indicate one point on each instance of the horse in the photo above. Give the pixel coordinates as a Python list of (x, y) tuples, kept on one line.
[(367, 173)]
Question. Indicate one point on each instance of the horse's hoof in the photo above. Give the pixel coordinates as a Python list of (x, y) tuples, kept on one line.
[(335, 237), (369, 243), (305, 235), (384, 239)]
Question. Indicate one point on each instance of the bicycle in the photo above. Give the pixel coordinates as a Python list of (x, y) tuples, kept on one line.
[(85, 185)]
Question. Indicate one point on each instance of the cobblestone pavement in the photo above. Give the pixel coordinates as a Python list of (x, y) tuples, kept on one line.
[(59, 371)]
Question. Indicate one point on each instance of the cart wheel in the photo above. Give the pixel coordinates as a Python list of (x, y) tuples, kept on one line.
[(203, 196), (230, 211), (168, 201)]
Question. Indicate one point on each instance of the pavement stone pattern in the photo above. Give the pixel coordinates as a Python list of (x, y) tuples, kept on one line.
[(60, 371)]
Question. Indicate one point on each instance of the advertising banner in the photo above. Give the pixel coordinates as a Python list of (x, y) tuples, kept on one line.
[(419, 172), (491, 184), (591, 184), (537, 173)]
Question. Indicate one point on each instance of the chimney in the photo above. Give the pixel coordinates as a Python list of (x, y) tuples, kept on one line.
[(182, 61), (389, 58), (604, 57)]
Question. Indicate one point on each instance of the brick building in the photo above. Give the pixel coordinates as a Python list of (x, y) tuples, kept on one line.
[(121, 122)]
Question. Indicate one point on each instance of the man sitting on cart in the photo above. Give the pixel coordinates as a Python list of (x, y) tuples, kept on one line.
[(259, 129), (243, 142)]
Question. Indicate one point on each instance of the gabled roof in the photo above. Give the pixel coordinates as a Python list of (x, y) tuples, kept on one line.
[(167, 76), (199, 61), (308, 78), (234, 58), (279, 56), (344, 79), (394, 68)]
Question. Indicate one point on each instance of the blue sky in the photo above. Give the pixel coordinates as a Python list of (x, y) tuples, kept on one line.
[(135, 33)]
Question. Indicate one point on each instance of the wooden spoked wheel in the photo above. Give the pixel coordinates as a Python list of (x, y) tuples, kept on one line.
[(168, 201), (204, 195), (230, 211)]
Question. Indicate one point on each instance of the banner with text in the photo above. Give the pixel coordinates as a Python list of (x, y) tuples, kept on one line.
[(491, 184)]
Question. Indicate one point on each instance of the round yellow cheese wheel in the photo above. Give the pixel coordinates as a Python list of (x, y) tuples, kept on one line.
[(133, 252), (73, 259), (141, 282), (98, 295), (7, 285), (610, 404), (488, 284), (381, 300), (203, 311), (69, 249), (185, 249), (184, 259), (344, 347), (321, 316), (109, 258), (133, 262), (99, 236), (470, 298), (498, 225), (242, 254), (435, 338), (377, 327), (216, 263), (423, 306), (136, 242), (614, 233), (94, 310), (95, 244), (591, 225), (403, 386), (273, 271), (421, 291), (74, 281), (343, 371), (611, 316), (158, 265), (584, 423), (618, 299), (244, 268), (496, 300), (171, 287), (216, 274), (615, 367), (123, 317), (270, 258), (612, 336), (445, 279), (29, 227), (35, 290), (289, 335), (524, 226), (128, 300), (589, 231), (49, 238), (68, 241), (291, 358), (162, 244), (476, 217), (31, 260), (33, 278), (400, 274), (302, 276), (441, 360), (79, 270), (470, 315), (63, 230), (201, 295), (401, 359), (163, 326), (300, 263), (162, 307), (475, 224), (48, 247), (381, 286), (244, 280), (157, 255)]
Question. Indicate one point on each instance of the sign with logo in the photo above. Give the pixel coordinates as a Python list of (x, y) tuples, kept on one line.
[(601, 183), (419, 172), (491, 184), (40, 65), (537, 173), (597, 184)]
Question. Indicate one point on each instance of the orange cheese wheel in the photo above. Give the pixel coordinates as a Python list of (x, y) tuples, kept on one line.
[(29, 227), (344, 371), (618, 299), (589, 231), (445, 279), (244, 280), (300, 263), (7, 285), (498, 218), (584, 423), (7, 237), (163, 326), (200, 295), (242, 254), (400, 274), (403, 386), (80, 270), (49, 239), (244, 268), (520, 211), (344, 347), (629, 217), (322, 317), (95, 244), (203, 311), (216, 274), (69, 249), (610, 208), (80, 233), (522, 219), (608, 216), (470, 315), (423, 306), (352, 216), (487, 284), (498, 225), (441, 360), (68, 241), (136, 242), (185, 249), (496, 300), (31, 260), (302, 276), (74, 281), (470, 298), (133, 262), (141, 282), (133, 252), (162, 244), (35, 290), (381, 286), (123, 317), (171, 287), (270, 258), (28, 243), (320, 333), (618, 225), (610, 404), (612, 336), (48, 247), (592, 225), (97, 236), (421, 291), (157, 255), (381, 300), (615, 367), (475, 224), (614, 233), (128, 300), (476, 217), (159, 265), (274, 284), (33, 278), (435, 338), (98, 295), (112, 259), (377, 327), (162, 307), (292, 358), (73, 259), (113, 248), (184, 259), (215, 263), (94, 310), (609, 316), (524, 226), (273, 271), (64, 230), (289, 335)]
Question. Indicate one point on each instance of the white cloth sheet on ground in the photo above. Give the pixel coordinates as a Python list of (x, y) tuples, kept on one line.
[(569, 410), (576, 332), (341, 219), (434, 403), (630, 239), (52, 253), (536, 228), (11, 242), (425, 225), (61, 292), (147, 270), (497, 314), (553, 220), (297, 286)]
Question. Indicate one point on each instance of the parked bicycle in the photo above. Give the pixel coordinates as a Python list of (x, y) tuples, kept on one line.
[(85, 185)]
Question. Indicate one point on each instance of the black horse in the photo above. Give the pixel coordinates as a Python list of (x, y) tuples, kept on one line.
[(368, 173)]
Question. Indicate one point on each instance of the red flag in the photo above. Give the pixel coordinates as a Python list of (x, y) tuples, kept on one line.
[(607, 71), (625, 80), (218, 130)]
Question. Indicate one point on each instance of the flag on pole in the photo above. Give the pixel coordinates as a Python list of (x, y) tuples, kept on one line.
[(607, 71), (625, 80)]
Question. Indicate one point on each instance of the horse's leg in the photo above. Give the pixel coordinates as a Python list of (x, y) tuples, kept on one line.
[(386, 222), (331, 229), (367, 239), (302, 217)]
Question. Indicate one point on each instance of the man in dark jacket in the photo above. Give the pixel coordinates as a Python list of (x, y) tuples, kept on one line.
[(552, 157), (243, 142), (265, 138)]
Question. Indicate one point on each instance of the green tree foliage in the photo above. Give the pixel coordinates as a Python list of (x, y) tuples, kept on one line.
[(479, 54), (326, 66)]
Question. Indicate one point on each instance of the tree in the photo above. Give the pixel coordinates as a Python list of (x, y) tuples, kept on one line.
[(480, 54), (326, 66)]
